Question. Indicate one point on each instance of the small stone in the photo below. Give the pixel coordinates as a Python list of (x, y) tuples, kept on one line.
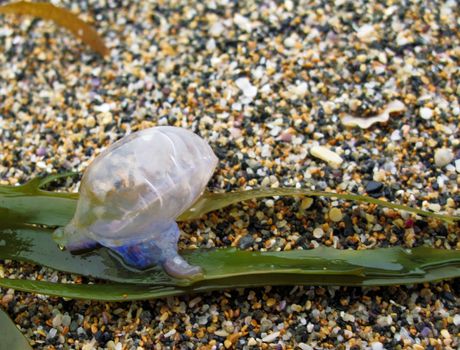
[(457, 165), (243, 23), (246, 242), (41, 151), (265, 325), (103, 108), (90, 122), (384, 321), (304, 346), (443, 156), (457, 320), (170, 333), (395, 135), (57, 320), (81, 331), (66, 320), (377, 346), (426, 113), (290, 41), (445, 334), (306, 203), (246, 87), (299, 90), (221, 333), (374, 187), (252, 342), (217, 29), (318, 232), (211, 45), (367, 33), (435, 207), (73, 326), (271, 337), (347, 317), (335, 214), (195, 301), (105, 118), (324, 153), (228, 326), (52, 333)]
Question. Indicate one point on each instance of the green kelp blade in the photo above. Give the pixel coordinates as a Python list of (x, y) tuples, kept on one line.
[(28, 204), (101, 291), (124, 291), (12, 338), (334, 266), (214, 201)]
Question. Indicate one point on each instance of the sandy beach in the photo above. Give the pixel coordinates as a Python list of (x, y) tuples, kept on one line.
[(350, 96)]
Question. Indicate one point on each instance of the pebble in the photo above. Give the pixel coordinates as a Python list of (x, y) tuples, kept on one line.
[(385, 321), (90, 122), (271, 337), (396, 135), (170, 333), (298, 90), (243, 23), (377, 346), (335, 214), (443, 156), (228, 326), (246, 242), (265, 325), (445, 334), (318, 232), (66, 320), (246, 87), (324, 153), (306, 203), (456, 320), (374, 187), (217, 29), (367, 33), (435, 207), (52, 333), (57, 320), (304, 346), (426, 113)]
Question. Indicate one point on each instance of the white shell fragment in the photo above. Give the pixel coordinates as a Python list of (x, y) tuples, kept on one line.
[(324, 153), (365, 123), (132, 193)]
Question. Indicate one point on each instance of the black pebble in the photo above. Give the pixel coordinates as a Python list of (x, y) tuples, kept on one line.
[(349, 230), (374, 187)]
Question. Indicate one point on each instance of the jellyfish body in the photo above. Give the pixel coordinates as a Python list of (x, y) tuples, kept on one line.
[(132, 193)]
